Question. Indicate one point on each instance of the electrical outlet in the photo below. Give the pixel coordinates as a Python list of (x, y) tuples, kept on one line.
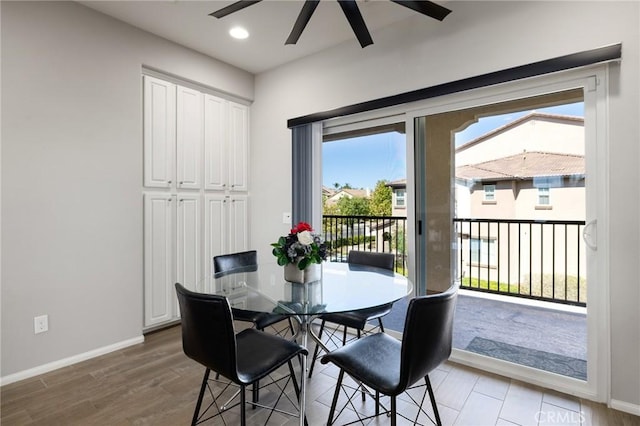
[(41, 324)]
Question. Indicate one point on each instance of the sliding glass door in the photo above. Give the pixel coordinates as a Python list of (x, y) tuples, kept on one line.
[(511, 215)]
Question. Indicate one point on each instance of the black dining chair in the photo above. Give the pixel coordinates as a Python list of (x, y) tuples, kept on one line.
[(209, 338), (357, 319), (247, 261), (389, 366)]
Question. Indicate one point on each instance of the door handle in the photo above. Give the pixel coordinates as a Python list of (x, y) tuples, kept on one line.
[(586, 236)]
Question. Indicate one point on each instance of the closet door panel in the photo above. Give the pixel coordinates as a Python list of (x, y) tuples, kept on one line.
[(159, 127), (189, 136), (215, 152), (238, 207), (215, 228), (238, 146), (158, 258), (188, 231)]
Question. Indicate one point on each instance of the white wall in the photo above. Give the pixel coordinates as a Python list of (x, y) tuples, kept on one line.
[(72, 175), (478, 37)]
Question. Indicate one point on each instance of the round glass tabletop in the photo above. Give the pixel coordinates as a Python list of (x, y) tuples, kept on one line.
[(342, 287)]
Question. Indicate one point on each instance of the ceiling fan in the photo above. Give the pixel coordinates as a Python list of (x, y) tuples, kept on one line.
[(350, 10)]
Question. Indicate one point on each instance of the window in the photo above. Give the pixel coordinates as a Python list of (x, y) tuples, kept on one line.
[(483, 251), (543, 197), (400, 194), (489, 192)]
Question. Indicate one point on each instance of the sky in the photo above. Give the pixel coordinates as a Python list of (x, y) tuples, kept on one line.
[(361, 162)]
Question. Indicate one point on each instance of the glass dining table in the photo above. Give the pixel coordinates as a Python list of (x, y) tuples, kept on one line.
[(342, 287)]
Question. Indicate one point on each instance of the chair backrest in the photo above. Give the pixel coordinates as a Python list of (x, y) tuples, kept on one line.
[(208, 336), (372, 258), (427, 337), (234, 262)]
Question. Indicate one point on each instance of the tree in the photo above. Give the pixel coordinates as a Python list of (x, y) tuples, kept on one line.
[(380, 203), (329, 209), (356, 206)]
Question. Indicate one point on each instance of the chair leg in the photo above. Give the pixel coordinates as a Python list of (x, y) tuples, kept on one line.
[(243, 413), (433, 400), (296, 387), (393, 411), (315, 352), (344, 342), (293, 331), (335, 398), (255, 394), (381, 326), (255, 388), (194, 421)]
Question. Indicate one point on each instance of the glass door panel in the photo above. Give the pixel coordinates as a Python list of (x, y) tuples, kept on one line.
[(505, 196)]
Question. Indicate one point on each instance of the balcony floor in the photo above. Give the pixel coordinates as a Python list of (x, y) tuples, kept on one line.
[(543, 335)]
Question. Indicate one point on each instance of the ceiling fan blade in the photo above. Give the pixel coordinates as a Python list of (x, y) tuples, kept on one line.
[(233, 7), (307, 10), (428, 8), (351, 11)]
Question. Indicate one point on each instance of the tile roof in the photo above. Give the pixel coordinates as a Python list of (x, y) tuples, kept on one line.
[(526, 165)]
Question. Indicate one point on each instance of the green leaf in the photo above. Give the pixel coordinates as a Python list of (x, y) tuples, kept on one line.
[(304, 262)]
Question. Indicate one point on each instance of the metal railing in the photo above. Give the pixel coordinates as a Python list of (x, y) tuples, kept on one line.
[(535, 259), (368, 233), (542, 260)]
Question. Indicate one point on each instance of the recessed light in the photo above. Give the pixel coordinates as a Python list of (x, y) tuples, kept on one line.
[(239, 33)]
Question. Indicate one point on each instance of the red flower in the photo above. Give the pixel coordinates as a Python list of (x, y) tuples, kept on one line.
[(302, 226)]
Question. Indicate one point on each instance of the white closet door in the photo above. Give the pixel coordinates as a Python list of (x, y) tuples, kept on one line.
[(215, 227), (159, 132), (215, 152), (189, 136), (238, 146), (238, 208), (189, 252), (158, 258)]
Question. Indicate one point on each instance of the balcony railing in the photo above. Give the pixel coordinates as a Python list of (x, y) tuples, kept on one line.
[(369, 233), (542, 260)]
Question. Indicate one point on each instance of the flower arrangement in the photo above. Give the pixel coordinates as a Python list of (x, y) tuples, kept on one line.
[(301, 246)]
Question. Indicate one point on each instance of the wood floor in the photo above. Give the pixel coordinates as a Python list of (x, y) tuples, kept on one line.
[(154, 383)]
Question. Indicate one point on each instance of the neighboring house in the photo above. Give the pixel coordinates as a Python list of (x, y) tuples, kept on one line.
[(529, 185), (533, 132), (399, 197), (347, 192), (531, 169), (327, 192)]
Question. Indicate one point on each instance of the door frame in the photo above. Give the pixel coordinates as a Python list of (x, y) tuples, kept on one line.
[(594, 80)]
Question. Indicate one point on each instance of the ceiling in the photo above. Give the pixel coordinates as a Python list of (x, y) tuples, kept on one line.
[(187, 22)]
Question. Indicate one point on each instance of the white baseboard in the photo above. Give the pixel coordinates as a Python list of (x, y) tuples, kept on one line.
[(627, 407), (45, 368)]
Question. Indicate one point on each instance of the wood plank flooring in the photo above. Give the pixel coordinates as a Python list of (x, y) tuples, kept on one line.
[(154, 383)]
